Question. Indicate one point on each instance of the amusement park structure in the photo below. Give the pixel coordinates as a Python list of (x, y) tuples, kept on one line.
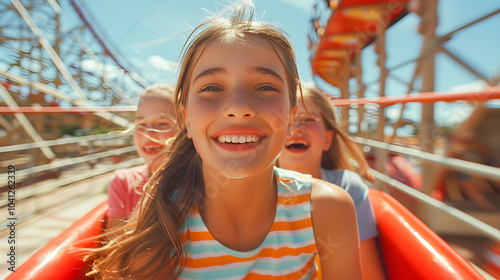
[(65, 85), (337, 41), (54, 56)]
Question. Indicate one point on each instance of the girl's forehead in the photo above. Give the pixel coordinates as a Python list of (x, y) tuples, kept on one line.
[(149, 101), (153, 105), (239, 52)]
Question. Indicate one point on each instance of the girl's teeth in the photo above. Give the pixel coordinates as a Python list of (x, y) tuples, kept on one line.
[(237, 139)]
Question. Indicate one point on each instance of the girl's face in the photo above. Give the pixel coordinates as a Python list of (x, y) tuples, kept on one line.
[(238, 111), (154, 125), (309, 139)]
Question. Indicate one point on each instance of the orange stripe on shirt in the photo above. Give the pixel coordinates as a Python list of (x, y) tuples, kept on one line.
[(291, 200), (265, 253), (291, 276)]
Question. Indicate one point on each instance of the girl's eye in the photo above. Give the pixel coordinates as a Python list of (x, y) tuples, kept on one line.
[(268, 87), (307, 119), (164, 125), (210, 88)]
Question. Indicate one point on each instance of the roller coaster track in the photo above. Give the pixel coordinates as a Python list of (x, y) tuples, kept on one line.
[(100, 35)]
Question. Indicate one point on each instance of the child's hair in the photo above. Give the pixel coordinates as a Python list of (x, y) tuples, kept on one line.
[(337, 157), (151, 246), (161, 90)]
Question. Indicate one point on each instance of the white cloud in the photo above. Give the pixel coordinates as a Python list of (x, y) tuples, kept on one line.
[(393, 112), (91, 66), (98, 69), (160, 63), (470, 87)]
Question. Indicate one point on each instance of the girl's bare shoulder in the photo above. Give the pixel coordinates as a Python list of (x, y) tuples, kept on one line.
[(329, 196), (332, 209)]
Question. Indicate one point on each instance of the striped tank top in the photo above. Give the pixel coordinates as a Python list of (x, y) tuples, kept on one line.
[(287, 252)]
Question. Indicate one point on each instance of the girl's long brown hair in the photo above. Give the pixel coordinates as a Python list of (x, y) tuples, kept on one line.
[(342, 147), (150, 246)]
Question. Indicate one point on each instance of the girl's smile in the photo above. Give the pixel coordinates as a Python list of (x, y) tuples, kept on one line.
[(297, 144), (151, 148), (239, 138)]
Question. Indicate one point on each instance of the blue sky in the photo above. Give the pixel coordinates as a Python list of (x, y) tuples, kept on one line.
[(151, 34)]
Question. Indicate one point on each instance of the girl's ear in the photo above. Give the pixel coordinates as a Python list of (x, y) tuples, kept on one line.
[(291, 122), (328, 140), (187, 124)]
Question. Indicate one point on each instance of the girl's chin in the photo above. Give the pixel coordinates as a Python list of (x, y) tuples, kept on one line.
[(296, 158), (236, 168), (149, 157), (296, 151)]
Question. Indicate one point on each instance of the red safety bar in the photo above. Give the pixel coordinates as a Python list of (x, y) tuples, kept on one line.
[(410, 249), (426, 97), (60, 259)]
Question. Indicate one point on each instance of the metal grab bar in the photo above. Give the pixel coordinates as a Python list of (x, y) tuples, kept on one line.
[(70, 161), (35, 191), (62, 141), (467, 167)]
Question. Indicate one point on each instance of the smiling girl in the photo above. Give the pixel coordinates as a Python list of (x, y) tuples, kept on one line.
[(154, 125), (218, 208), (318, 147)]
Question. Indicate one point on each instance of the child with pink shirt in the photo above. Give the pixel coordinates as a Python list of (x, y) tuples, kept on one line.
[(154, 125)]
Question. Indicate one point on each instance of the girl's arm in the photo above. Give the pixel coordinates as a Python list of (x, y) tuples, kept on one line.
[(335, 231), (370, 260)]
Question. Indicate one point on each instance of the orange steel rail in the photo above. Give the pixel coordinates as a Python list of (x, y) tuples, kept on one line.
[(425, 97), (45, 110)]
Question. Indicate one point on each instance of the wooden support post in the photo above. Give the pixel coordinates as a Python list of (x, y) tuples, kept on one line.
[(381, 155), (5, 123), (344, 93), (361, 91), (429, 21)]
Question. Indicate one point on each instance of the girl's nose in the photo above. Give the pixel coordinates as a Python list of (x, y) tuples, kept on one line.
[(239, 106), (298, 125), (297, 129)]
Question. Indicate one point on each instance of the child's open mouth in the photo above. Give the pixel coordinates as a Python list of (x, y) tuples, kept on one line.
[(152, 149), (297, 145), (238, 138)]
